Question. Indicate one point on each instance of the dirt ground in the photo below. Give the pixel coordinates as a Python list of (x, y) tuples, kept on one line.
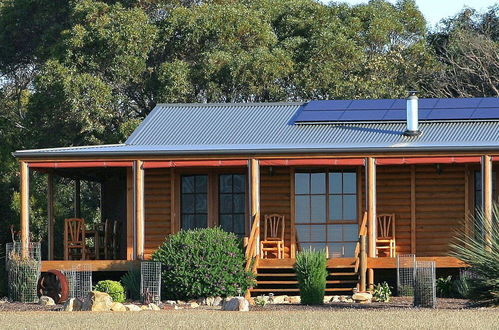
[(290, 317)]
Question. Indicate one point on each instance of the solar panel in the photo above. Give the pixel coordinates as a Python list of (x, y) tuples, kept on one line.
[(395, 110)]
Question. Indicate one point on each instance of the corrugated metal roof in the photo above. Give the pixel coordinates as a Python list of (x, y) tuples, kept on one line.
[(267, 127)]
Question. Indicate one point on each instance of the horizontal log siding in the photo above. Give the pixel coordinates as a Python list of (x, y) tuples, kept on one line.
[(440, 207), (394, 196), (275, 197), (157, 208)]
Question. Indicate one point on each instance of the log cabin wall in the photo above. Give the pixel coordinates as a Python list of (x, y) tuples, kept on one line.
[(275, 197), (440, 207), (157, 208)]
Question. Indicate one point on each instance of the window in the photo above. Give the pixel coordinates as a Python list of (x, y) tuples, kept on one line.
[(194, 201), (232, 203), (326, 211)]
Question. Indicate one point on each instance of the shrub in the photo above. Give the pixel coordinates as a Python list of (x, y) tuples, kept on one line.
[(311, 272), (131, 283), (461, 286), (202, 263), (382, 292), (483, 257), (445, 287), (113, 288)]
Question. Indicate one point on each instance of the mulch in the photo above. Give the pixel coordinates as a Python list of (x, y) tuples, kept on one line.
[(395, 303)]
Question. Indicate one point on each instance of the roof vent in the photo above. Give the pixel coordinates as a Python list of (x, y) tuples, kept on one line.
[(412, 115)]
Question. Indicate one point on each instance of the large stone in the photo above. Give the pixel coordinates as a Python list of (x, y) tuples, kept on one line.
[(46, 301), (118, 307), (193, 304), (72, 305), (153, 307), (236, 304), (293, 299), (335, 299), (280, 299), (132, 308), (327, 299), (170, 302), (145, 308), (97, 301), (217, 301), (362, 297)]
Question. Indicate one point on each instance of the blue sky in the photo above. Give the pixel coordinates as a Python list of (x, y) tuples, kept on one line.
[(435, 10)]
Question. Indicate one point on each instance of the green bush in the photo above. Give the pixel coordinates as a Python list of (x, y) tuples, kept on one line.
[(382, 292), (113, 288), (311, 272), (131, 283), (482, 255), (202, 263), (445, 287), (461, 286)]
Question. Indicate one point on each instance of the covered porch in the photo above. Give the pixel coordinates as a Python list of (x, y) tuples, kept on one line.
[(430, 196)]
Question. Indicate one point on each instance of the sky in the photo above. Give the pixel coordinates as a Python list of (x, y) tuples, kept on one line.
[(435, 10)]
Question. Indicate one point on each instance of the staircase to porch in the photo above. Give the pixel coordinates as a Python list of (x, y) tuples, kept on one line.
[(281, 280)]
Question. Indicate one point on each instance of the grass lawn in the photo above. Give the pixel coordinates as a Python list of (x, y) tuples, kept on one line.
[(215, 319)]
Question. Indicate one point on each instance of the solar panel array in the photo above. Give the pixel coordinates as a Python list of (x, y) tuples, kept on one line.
[(395, 110)]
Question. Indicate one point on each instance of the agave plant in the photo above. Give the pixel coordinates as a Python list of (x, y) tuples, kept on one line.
[(311, 273), (481, 252)]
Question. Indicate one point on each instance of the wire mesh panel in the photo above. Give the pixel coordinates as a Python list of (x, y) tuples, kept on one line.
[(424, 285), (405, 274), (150, 282), (23, 271), (80, 281)]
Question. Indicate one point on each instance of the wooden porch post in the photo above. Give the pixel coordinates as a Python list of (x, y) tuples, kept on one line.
[(50, 215), (139, 209), (77, 199), (371, 214), (24, 172), (487, 196), (129, 214), (254, 175)]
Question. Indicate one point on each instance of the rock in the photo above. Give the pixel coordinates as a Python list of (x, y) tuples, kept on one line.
[(362, 297), (170, 302), (343, 298), (206, 301), (335, 299), (118, 307), (327, 299), (349, 300), (97, 302), (144, 308), (178, 307), (46, 301), (236, 304), (72, 305), (153, 307), (132, 308), (217, 301), (293, 299), (193, 304), (181, 302), (280, 299)]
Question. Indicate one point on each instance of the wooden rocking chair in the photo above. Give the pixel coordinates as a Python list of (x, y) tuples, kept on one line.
[(74, 238), (385, 240), (273, 236)]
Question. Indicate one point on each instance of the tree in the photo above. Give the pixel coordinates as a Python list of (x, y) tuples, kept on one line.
[(467, 47)]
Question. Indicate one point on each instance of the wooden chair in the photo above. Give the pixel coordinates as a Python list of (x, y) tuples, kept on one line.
[(385, 241), (74, 238), (273, 236), (116, 240)]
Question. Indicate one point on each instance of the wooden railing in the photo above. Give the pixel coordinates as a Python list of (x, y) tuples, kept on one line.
[(252, 244), (360, 254)]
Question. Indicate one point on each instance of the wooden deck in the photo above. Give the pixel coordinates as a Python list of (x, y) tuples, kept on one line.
[(97, 265), (375, 263)]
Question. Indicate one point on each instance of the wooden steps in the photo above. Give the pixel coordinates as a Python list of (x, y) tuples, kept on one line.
[(279, 278)]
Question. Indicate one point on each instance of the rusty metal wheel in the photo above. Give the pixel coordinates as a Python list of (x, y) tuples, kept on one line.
[(53, 284)]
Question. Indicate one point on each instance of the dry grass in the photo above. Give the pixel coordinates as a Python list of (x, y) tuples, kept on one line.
[(215, 319)]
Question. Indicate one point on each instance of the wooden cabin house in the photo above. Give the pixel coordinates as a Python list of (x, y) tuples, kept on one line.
[(407, 174)]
